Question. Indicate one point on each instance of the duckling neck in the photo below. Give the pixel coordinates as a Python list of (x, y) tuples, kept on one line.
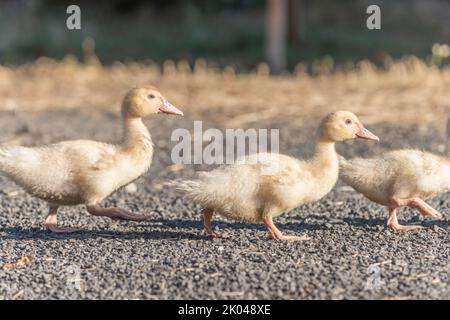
[(325, 159), (136, 135), (325, 149)]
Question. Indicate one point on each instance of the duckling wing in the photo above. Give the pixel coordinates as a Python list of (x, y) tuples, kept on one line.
[(87, 154), (100, 168)]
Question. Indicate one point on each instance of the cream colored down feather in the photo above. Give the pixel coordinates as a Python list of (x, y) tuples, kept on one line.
[(247, 192), (244, 192), (74, 172), (85, 171), (399, 174)]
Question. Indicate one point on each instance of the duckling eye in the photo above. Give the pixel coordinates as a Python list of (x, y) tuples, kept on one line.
[(348, 121), (151, 96)]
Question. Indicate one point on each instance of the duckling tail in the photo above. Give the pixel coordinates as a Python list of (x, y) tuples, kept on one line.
[(7, 158), (18, 161), (187, 187), (198, 190)]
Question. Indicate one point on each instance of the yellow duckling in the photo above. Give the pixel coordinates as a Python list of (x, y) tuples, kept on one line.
[(400, 178), (254, 192), (84, 171)]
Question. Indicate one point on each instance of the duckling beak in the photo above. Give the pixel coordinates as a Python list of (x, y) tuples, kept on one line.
[(363, 133), (169, 108)]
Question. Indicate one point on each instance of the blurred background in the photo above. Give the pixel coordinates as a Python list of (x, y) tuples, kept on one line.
[(242, 59), (224, 32)]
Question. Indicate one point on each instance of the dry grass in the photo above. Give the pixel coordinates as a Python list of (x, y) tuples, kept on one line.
[(408, 91)]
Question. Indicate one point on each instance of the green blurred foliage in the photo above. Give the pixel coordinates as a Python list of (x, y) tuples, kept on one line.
[(223, 31)]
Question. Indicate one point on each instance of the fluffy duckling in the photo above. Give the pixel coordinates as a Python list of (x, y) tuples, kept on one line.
[(400, 178), (255, 192), (84, 171)]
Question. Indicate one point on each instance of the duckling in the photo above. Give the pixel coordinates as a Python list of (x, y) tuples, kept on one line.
[(266, 185), (85, 172), (400, 178)]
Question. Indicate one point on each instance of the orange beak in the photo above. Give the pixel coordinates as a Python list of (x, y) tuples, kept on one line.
[(363, 133), (169, 108)]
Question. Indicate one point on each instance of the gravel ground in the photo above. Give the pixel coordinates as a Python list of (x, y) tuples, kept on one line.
[(350, 255)]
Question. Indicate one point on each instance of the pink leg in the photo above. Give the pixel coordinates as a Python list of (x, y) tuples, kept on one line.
[(115, 213), (206, 218), (51, 222), (393, 222), (424, 208), (275, 233)]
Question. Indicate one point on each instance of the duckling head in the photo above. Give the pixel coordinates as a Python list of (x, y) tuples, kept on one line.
[(344, 125), (144, 101)]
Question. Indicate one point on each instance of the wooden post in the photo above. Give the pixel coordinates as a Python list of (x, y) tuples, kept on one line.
[(293, 21), (276, 21)]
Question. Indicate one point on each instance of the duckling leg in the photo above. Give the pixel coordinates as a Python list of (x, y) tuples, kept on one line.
[(417, 203), (393, 222), (206, 218), (51, 222), (275, 233), (424, 208), (115, 213)]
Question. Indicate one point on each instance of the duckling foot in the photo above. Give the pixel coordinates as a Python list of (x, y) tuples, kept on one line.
[(275, 233), (206, 219), (56, 229), (51, 222), (214, 234), (115, 213), (399, 227)]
